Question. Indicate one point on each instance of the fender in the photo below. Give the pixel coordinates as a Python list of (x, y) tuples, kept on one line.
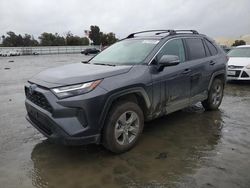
[(220, 72), (136, 90)]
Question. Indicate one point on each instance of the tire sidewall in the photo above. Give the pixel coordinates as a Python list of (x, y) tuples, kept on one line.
[(109, 129), (210, 98)]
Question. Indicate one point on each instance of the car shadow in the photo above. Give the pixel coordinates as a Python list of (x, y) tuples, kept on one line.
[(239, 82), (169, 147)]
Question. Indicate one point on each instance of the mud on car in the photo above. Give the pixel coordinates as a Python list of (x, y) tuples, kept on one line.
[(107, 99)]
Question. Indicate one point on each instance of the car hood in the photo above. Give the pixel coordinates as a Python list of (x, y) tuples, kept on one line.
[(76, 73), (239, 61)]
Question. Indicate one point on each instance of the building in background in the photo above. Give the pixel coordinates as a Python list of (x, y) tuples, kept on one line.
[(229, 41)]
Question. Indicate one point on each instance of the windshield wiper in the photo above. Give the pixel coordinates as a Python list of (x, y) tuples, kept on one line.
[(104, 64)]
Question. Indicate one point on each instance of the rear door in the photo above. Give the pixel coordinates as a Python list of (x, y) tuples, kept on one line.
[(212, 55), (199, 63)]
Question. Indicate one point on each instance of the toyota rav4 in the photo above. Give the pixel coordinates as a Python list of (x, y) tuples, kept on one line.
[(142, 77)]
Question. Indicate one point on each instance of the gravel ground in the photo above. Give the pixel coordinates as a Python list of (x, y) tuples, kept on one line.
[(189, 148)]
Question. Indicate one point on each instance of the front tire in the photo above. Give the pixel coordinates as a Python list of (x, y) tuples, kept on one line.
[(215, 95), (123, 127)]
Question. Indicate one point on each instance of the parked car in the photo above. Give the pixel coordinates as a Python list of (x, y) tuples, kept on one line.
[(15, 53), (107, 99), (239, 63), (90, 51), (35, 53), (6, 53), (226, 48)]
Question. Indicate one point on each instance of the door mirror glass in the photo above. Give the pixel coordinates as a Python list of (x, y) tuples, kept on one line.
[(169, 60)]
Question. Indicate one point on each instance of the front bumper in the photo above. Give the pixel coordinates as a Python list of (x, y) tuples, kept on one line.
[(238, 74), (59, 136), (71, 121)]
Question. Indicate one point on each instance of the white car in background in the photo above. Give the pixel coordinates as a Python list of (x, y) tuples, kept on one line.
[(239, 63), (6, 53), (15, 53)]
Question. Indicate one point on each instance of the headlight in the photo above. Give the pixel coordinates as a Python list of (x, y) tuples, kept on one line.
[(248, 66), (73, 90)]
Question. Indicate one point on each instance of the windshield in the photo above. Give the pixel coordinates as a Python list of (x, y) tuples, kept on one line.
[(239, 52), (125, 52)]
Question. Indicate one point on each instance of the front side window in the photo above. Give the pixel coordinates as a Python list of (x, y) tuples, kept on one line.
[(239, 52), (173, 47), (196, 48), (126, 52)]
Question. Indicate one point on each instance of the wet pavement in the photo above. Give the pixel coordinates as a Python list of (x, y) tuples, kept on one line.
[(189, 148)]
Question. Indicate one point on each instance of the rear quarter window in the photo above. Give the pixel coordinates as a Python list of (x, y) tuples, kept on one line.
[(196, 48), (211, 47)]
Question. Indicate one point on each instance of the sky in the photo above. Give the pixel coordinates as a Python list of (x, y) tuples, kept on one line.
[(215, 18)]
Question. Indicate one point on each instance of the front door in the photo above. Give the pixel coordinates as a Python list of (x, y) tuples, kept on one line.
[(171, 86)]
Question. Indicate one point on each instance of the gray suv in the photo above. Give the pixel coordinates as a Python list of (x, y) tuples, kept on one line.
[(142, 77)]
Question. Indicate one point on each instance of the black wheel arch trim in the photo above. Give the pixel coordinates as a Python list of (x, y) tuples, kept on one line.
[(217, 73), (135, 90)]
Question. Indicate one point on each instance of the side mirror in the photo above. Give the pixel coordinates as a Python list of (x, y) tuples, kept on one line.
[(169, 60), (85, 62)]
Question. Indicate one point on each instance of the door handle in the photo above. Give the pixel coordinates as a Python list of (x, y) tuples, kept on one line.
[(212, 62), (186, 71)]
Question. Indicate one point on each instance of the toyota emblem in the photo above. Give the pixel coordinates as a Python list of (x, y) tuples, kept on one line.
[(32, 88)]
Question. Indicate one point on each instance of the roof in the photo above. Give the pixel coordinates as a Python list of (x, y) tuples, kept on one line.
[(243, 46)]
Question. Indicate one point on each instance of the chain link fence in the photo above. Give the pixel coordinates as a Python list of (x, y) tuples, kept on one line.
[(44, 50)]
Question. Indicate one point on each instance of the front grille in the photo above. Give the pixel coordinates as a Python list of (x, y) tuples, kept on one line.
[(235, 67), (244, 75), (237, 74), (38, 99)]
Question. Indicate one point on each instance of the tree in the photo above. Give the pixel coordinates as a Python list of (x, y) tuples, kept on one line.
[(74, 40), (3, 37), (13, 40), (10, 39), (49, 39), (33, 41), (46, 39), (59, 41), (108, 39), (239, 42), (94, 35), (99, 37), (29, 40), (85, 41), (18, 40)]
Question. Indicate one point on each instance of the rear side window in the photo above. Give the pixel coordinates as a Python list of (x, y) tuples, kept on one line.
[(211, 47), (196, 48), (173, 47)]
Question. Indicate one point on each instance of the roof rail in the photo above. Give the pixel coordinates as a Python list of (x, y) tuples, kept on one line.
[(149, 31), (159, 32), (191, 31)]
